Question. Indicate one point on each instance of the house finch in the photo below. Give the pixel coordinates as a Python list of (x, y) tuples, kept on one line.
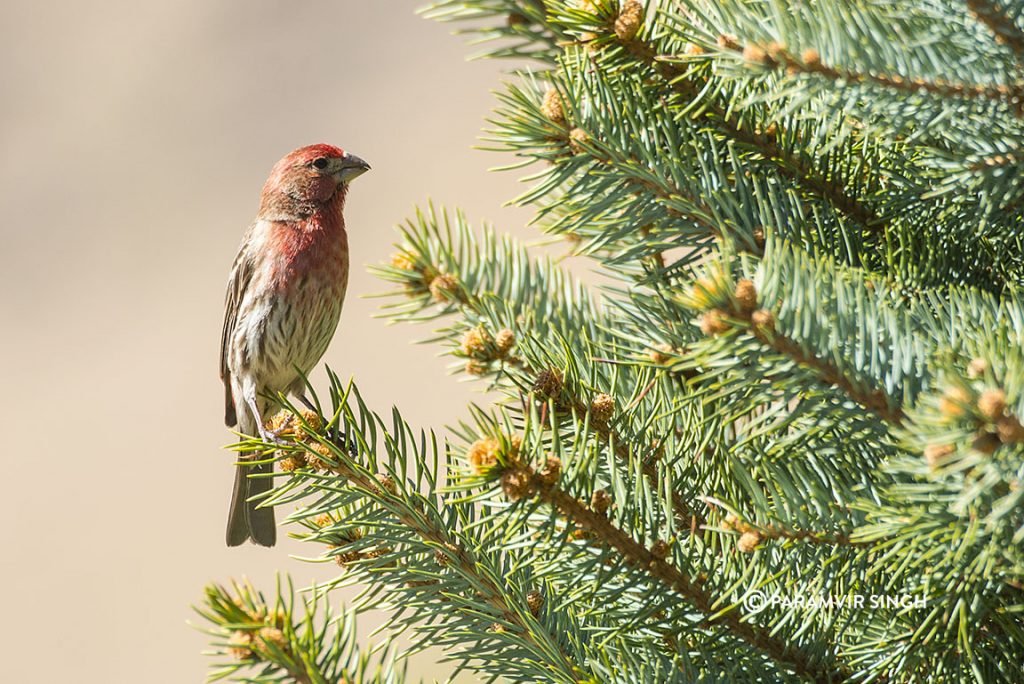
[(284, 299)]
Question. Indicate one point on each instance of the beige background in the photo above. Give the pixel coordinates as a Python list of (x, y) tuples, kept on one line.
[(135, 138)]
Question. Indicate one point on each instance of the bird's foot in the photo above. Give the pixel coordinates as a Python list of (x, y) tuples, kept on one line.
[(273, 436)]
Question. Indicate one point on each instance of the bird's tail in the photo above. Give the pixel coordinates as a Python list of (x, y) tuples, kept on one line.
[(245, 520)]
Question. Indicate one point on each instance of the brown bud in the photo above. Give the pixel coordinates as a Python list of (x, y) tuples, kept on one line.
[(728, 42), (475, 342), (660, 549), (602, 407), (321, 457), (713, 323), (273, 637), (629, 21), (314, 424), (280, 423), (755, 53), (240, 645), (477, 367), (977, 368), (387, 483), (695, 50), (746, 296), (347, 557), (600, 501), (516, 484), (551, 471), (444, 287), (577, 138), (1010, 430), (730, 522), (748, 541), (954, 402), (293, 462), (551, 107), (934, 453), (762, 319), (758, 232), (504, 341), (535, 601), (323, 520), (992, 403), (483, 454), (660, 354), (548, 383), (811, 57)]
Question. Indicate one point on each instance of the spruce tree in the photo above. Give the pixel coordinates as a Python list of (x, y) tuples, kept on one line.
[(783, 443)]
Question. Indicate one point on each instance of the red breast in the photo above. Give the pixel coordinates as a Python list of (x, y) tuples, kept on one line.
[(316, 247)]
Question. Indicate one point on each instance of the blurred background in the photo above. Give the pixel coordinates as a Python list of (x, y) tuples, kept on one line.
[(136, 138)]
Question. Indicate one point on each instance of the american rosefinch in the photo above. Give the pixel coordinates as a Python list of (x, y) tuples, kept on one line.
[(284, 299)]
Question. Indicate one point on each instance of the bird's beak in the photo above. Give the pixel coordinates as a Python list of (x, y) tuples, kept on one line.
[(351, 167)]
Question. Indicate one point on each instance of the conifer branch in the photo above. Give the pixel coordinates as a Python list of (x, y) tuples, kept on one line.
[(766, 141), (726, 304), (875, 400), (690, 518), (415, 269), (1000, 24), (454, 554), (272, 642), (667, 192), (521, 479), (777, 531), (690, 88), (810, 62)]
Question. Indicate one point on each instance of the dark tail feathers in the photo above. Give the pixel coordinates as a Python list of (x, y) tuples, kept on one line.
[(245, 520)]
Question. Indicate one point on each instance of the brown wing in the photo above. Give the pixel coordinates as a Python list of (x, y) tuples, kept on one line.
[(241, 274)]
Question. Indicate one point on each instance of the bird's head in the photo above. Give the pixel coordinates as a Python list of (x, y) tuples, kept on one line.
[(309, 178)]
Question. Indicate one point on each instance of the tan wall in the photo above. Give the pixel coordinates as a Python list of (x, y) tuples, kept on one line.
[(135, 137)]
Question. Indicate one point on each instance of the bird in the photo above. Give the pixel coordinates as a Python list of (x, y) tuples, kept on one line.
[(284, 299)]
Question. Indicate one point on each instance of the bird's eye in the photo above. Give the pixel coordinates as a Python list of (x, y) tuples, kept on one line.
[(320, 163)]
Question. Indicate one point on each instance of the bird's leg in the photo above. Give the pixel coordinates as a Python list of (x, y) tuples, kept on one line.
[(271, 436)]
